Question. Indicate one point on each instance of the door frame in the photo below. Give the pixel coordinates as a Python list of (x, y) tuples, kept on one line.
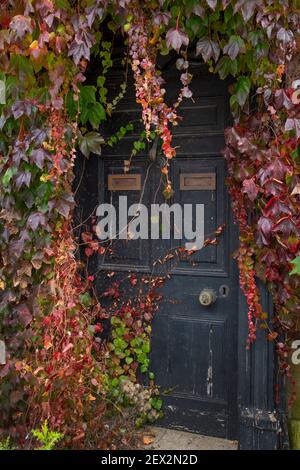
[(262, 421)]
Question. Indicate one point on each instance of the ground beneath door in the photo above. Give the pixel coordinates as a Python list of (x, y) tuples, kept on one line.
[(169, 439)]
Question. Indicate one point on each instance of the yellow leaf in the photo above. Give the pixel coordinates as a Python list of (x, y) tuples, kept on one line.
[(34, 45), (44, 178)]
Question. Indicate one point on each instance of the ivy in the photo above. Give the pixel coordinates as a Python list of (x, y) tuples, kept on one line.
[(90, 110), (90, 143), (120, 134), (57, 369), (296, 266)]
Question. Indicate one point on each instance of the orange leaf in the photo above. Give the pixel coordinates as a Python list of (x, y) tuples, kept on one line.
[(147, 440)]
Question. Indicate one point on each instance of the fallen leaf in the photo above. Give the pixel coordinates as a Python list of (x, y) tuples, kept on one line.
[(147, 440)]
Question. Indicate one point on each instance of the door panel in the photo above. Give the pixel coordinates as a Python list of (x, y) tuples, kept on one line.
[(193, 348), (213, 259), (127, 254)]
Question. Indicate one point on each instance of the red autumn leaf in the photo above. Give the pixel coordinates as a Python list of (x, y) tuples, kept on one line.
[(36, 219), (207, 48), (38, 156), (47, 342), (235, 46), (21, 25), (88, 252), (265, 226), (94, 245), (212, 4), (23, 178), (79, 437), (19, 108), (63, 204), (296, 96), (67, 348), (282, 99), (5, 18), (86, 237), (161, 18), (98, 328), (24, 314), (133, 280), (80, 47), (293, 124), (285, 36), (286, 226), (275, 207), (296, 190), (176, 38), (276, 169), (60, 44), (250, 188)]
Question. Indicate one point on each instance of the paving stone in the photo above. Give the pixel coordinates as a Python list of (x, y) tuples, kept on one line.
[(171, 439)]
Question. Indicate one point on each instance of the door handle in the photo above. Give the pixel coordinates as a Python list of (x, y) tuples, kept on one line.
[(207, 297)]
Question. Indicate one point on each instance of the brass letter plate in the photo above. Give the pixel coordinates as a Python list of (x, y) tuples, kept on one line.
[(124, 182), (197, 181)]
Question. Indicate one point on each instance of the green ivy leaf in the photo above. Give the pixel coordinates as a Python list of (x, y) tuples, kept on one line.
[(23, 67), (92, 112), (100, 81), (295, 154), (255, 37), (296, 264), (87, 95), (120, 343), (96, 115), (86, 299), (234, 105), (194, 23), (71, 105), (64, 4), (156, 403), (242, 90), (10, 172), (226, 67), (146, 347), (91, 143)]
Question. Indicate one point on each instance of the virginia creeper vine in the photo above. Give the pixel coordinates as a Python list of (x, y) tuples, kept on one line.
[(55, 367)]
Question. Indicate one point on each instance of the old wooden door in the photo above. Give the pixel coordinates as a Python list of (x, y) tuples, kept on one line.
[(194, 347)]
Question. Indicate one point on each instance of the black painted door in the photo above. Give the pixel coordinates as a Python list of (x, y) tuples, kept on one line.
[(193, 347)]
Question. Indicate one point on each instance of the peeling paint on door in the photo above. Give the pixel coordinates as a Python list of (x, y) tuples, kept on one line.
[(209, 378)]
